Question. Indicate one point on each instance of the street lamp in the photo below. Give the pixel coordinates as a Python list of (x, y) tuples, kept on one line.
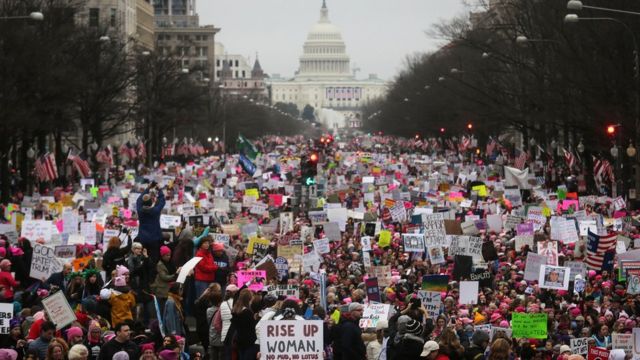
[(456, 71), (574, 18), (441, 78), (523, 40), (580, 147), (36, 16), (631, 151), (577, 5), (486, 55), (104, 38)]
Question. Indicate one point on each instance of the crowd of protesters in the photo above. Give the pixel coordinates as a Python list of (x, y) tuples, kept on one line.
[(129, 304)]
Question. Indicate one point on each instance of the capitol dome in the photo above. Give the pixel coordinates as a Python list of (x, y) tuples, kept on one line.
[(325, 53)]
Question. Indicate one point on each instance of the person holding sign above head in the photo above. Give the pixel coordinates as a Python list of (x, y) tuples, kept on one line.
[(149, 207)]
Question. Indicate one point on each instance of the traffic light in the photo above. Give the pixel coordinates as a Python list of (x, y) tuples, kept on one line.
[(470, 126), (310, 169), (611, 130)]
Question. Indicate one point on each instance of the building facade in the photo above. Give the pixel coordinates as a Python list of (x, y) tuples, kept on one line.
[(114, 18), (145, 24), (178, 33), (324, 78)]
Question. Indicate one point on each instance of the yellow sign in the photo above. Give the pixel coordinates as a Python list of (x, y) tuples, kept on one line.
[(252, 192), (336, 316), (256, 241), (481, 189), (385, 238)]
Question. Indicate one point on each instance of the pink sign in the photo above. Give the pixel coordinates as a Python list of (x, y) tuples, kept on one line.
[(566, 204), (254, 278)]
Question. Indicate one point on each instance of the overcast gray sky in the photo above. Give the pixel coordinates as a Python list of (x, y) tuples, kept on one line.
[(378, 33)]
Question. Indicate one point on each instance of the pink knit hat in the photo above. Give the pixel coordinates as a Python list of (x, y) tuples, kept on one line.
[(120, 281), (74, 331), (164, 250)]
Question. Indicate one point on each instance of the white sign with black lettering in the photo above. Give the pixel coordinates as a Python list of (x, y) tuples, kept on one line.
[(413, 242), (6, 314)]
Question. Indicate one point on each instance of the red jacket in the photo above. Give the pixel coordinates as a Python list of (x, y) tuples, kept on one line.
[(206, 268), (8, 282)]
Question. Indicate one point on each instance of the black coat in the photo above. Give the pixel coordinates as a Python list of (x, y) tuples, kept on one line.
[(409, 348), (347, 341)]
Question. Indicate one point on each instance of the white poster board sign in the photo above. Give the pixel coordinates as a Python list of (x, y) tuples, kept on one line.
[(44, 262), (291, 339), (372, 313), (58, 309), (186, 269), (6, 314)]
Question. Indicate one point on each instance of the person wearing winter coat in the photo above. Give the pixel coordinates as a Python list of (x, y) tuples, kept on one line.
[(225, 313), (166, 274), (205, 271), (7, 282), (122, 301), (173, 317), (149, 209), (140, 272), (114, 255), (347, 335), (222, 261), (410, 345)]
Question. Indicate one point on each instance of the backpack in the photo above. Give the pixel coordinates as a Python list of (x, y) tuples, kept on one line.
[(216, 329)]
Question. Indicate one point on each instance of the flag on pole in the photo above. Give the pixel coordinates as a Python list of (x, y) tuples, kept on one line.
[(247, 165), (246, 147), (46, 168), (521, 160), (569, 158), (142, 150), (105, 156), (80, 164), (602, 171), (597, 247)]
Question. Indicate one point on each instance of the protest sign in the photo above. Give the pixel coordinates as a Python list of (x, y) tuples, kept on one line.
[(533, 326), (6, 314), (311, 262), (186, 269), (577, 268), (434, 230), (65, 251), (258, 208), (413, 242), (291, 340), (468, 292), (372, 313), (549, 249), (512, 221), (321, 246), (44, 262), (435, 282), (221, 238), (622, 341), (633, 284), (494, 221), (580, 346), (522, 240), (257, 245), (88, 230), (170, 221), (384, 240), (436, 255), (636, 343), (254, 279), (59, 310), (37, 229), (596, 353), (432, 301), (373, 289), (383, 273), (366, 243), (525, 229), (554, 277), (284, 290)]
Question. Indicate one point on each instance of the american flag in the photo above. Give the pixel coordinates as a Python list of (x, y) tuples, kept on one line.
[(597, 247), (183, 149), (105, 156), (602, 171), (169, 150), (569, 158), (80, 164), (46, 168), (491, 145), (465, 142), (521, 160), (450, 144), (142, 150)]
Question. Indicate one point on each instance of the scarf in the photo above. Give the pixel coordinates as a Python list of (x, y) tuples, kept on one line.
[(178, 300)]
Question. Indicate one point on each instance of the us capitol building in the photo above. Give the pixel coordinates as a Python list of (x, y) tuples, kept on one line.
[(325, 80)]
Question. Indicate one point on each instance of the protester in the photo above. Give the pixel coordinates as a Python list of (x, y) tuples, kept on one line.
[(206, 268), (41, 344), (120, 342), (167, 273), (173, 315), (347, 335), (149, 207)]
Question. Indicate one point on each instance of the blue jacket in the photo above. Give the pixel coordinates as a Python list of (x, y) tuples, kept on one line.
[(150, 232)]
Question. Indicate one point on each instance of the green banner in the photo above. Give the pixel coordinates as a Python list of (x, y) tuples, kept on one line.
[(529, 326)]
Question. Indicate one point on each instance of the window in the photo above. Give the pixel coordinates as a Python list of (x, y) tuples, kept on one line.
[(237, 63), (236, 73), (204, 37), (201, 51), (218, 62), (112, 17), (94, 17), (218, 73), (244, 74)]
